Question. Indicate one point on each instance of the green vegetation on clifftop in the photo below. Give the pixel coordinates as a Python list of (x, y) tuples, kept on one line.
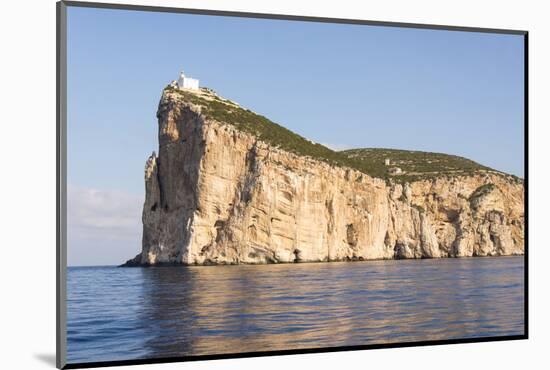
[(266, 130), (417, 165), (414, 164)]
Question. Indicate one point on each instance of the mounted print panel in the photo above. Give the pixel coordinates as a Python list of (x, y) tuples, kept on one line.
[(236, 184)]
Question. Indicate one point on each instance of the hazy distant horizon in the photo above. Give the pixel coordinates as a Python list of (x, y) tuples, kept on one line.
[(344, 86)]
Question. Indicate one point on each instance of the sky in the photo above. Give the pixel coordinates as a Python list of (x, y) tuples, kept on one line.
[(345, 86)]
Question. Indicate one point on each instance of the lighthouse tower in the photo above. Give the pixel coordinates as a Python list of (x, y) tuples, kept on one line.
[(187, 82)]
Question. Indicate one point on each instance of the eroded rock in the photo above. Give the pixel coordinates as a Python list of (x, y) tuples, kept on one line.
[(217, 195)]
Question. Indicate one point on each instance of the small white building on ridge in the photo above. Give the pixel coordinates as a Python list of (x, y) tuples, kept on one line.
[(187, 82)]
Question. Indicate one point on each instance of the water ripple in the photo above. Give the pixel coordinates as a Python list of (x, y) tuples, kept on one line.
[(120, 314)]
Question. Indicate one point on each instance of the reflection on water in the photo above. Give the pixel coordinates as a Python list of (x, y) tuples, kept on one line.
[(131, 313)]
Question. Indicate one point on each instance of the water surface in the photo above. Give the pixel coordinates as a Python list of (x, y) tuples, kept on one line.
[(135, 313)]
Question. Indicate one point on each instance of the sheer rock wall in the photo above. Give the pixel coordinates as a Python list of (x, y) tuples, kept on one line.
[(216, 195)]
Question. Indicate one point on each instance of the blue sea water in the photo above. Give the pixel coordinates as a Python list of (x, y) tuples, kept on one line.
[(136, 313)]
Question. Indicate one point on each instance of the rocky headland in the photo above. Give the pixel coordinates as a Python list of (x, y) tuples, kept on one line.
[(229, 186)]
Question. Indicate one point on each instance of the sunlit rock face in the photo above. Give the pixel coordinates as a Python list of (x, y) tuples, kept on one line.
[(217, 195)]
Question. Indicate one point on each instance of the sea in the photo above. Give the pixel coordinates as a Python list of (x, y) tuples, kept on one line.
[(118, 313)]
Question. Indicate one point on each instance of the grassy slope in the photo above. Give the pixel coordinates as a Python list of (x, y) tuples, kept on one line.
[(266, 130), (417, 165)]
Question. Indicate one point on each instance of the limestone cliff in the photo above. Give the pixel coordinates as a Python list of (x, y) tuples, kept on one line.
[(221, 191)]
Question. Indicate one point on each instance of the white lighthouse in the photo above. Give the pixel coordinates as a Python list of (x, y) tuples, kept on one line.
[(187, 82)]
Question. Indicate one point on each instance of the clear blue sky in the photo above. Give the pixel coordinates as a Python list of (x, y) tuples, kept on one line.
[(343, 85)]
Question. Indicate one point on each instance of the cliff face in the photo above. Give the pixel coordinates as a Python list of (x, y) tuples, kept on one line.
[(219, 195)]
